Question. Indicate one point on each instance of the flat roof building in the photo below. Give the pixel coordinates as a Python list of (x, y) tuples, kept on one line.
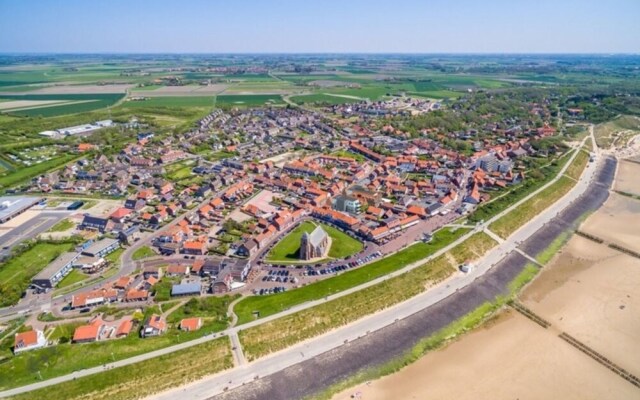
[(53, 273), (10, 207), (101, 248)]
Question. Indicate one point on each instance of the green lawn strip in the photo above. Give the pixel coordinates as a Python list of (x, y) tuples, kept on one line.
[(574, 170), (286, 331), (272, 304), (143, 252), (522, 214), (449, 333), (62, 226), (66, 357), (144, 378), (287, 249), (74, 277), (16, 273), (210, 308)]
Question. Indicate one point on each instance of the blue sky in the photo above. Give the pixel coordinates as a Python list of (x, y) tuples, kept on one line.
[(310, 26)]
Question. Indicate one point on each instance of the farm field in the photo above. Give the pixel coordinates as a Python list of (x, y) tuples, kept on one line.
[(322, 98), (288, 247), (249, 100), (16, 273), (78, 103), (268, 305), (172, 101)]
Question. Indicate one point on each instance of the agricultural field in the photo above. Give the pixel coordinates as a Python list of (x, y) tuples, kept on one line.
[(249, 100), (272, 304), (16, 273), (322, 98), (288, 249), (172, 101), (62, 103)]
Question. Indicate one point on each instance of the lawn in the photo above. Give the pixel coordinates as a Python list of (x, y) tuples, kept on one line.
[(62, 226), (74, 277), (65, 358), (213, 309), (286, 331), (288, 248), (143, 252), (141, 379), (16, 273), (272, 304), (513, 220), (348, 154)]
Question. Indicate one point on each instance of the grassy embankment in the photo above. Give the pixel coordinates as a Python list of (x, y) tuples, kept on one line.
[(143, 252), (144, 378), (272, 304), (286, 331), (65, 357)]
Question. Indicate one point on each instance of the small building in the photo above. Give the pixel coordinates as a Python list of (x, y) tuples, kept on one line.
[(96, 223), (53, 273), (88, 333), (101, 248), (30, 340), (124, 329), (186, 289), (190, 324), (248, 248), (155, 325)]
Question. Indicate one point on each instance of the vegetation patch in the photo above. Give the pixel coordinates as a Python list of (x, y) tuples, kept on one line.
[(286, 331), (526, 211), (143, 252), (144, 378), (62, 226), (288, 248), (575, 169)]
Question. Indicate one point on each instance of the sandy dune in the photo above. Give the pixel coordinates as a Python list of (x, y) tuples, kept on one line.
[(618, 221), (628, 178)]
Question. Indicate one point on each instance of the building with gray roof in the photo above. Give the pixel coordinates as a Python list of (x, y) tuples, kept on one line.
[(314, 244), (53, 273)]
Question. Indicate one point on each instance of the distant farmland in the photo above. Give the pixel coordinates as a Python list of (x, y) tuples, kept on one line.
[(84, 103), (322, 99), (172, 101), (249, 100)]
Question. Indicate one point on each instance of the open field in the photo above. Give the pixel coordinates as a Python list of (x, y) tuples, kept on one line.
[(62, 226), (209, 308), (509, 223), (76, 89), (283, 332), (618, 221), (322, 98), (143, 252), (627, 180), (272, 304), (144, 378), (189, 90), (172, 101), (249, 100), (74, 277), (544, 368), (80, 103), (288, 248), (617, 131), (16, 273)]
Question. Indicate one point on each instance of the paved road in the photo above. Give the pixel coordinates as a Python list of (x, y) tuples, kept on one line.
[(288, 357)]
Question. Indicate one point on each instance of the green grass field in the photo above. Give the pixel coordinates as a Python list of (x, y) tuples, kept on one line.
[(172, 101), (90, 102), (74, 277), (62, 226), (272, 304), (342, 245), (577, 166), (21, 175), (16, 273), (249, 100), (509, 223), (213, 309), (143, 252), (141, 379), (321, 99)]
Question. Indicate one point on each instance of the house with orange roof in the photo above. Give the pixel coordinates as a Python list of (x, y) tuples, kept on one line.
[(124, 329), (190, 324), (155, 325), (194, 247), (123, 282), (120, 215), (82, 147), (30, 340), (136, 295), (88, 333)]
